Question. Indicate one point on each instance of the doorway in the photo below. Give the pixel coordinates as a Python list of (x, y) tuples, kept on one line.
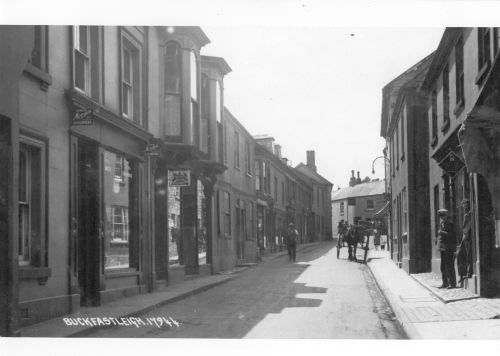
[(88, 222)]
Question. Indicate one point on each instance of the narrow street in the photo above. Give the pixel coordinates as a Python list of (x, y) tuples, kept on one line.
[(316, 297)]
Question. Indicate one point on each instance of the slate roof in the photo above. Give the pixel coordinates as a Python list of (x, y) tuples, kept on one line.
[(302, 168), (360, 190)]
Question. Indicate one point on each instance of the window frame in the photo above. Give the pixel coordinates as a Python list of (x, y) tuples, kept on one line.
[(434, 118), (40, 144), (130, 44), (86, 59), (372, 204), (236, 150), (446, 98), (484, 35), (459, 75)]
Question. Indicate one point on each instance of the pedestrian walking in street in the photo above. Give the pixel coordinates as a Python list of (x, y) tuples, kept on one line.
[(376, 238), (292, 236), (447, 243)]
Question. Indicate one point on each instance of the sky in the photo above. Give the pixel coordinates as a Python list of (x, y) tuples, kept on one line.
[(317, 88)]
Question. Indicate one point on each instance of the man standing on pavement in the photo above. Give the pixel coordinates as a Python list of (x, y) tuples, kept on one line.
[(292, 235), (447, 244)]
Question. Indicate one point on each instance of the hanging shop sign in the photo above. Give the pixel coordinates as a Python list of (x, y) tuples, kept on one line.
[(179, 178), (83, 117)]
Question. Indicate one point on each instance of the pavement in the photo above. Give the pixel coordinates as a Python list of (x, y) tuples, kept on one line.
[(139, 304), (425, 312)]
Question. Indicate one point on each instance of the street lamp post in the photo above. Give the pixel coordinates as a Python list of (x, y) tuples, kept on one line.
[(387, 196)]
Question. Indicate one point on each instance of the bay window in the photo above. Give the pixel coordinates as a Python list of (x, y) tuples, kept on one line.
[(195, 116), (173, 89)]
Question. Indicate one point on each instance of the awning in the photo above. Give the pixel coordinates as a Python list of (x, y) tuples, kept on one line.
[(385, 211)]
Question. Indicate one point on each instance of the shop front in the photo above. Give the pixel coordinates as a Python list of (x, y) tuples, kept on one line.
[(110, 206)]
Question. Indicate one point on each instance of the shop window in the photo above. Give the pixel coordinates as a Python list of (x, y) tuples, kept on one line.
[(120, 224), (87, 60), (120, 203), (32, 199), (131, 78), (173, 89)]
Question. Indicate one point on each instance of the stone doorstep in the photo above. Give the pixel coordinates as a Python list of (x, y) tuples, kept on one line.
[(37, 330), (445, 295)]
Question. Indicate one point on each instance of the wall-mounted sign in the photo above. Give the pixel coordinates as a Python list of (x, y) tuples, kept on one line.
[(83, 117), (180, 178)]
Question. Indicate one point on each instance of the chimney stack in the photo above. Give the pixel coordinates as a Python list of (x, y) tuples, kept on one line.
[(358, 181), (311, 160), (352, 181), (277, 151)]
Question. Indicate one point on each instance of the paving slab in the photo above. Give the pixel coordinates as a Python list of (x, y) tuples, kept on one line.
[(424, 314), (124, 308)]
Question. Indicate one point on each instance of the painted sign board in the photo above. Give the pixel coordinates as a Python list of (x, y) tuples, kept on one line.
[(179, 178), (83, 117)]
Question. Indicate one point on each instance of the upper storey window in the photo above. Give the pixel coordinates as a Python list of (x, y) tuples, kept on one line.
[(173, 70), (87, 60), (131, 78), (459, 72), (39, 56), (195, 114)]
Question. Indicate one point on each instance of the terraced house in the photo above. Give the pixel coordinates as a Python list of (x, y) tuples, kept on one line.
[(462, 108), (122, 170)]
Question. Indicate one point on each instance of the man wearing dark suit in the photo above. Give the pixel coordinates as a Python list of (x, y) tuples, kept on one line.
[(447, 244)]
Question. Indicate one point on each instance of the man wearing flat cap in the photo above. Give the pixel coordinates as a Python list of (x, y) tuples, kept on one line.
[(447, 243), (291, 236)]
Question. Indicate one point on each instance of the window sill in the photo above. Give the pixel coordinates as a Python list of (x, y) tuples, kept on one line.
[(434, 141), (44, 77), (482, 73), (121, 272), (446, 126), (40, 273), (459, 108)]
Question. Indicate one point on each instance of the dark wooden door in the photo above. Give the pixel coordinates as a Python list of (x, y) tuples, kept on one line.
[(88, 222)]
